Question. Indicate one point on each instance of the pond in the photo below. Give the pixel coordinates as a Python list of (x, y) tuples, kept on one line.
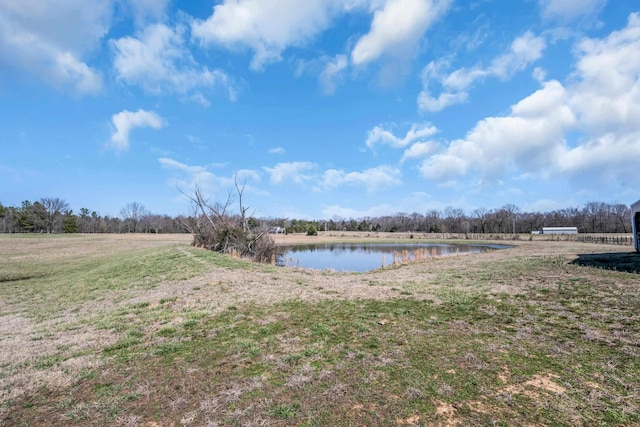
[(361, 257)]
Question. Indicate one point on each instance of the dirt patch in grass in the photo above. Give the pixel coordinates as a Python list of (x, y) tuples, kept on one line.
[(526, 336)]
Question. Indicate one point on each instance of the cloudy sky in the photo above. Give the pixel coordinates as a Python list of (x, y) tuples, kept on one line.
[(321, 108)]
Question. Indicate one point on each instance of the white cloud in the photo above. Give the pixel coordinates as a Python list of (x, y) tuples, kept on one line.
[(411, 202), (419, 149), (158, 60), (528, 139), (277, 150), (608, 160), (338, 211), (197, 175), (189, 177), (373, 179), (396, 28), (426, 102), (332, 73), (539, 74), (380, 136), (49, 39), (293, 172), (148, 10), (444, 168), (546, 205), (125, 121), (268, 27), (568, 10), (599, 111), (243, 175), (332, 178), (606, 99), (607, 94), (306, 173), (523, 51)]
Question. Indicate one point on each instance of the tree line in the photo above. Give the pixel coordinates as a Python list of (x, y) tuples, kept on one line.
[(593, 217), (53, 215)]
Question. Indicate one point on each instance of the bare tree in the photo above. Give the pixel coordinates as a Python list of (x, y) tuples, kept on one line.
[(480, 216), (52, 211), (512, 212), (132, 214), (454, 219), (621, 213)]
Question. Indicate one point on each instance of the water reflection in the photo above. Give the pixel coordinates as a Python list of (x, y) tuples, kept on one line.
[(362, 257)]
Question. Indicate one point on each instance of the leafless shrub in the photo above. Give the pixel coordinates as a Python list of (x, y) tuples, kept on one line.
[(214, 227)]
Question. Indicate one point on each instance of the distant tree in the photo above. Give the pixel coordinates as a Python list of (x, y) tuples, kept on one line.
[(454, 218), (253, 223), (29, 217), (132, 214), (312, 231), (363, 226), (70, 223), (95, 222), (433, 221), (480, 218), (595, 213), (621, 214), (53, 209), (84, 221), (512, 212), (401, 219), (4, 213), (416, 222), (9, 220)]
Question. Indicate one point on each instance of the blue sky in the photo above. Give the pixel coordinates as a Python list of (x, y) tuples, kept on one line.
[(322, 108)]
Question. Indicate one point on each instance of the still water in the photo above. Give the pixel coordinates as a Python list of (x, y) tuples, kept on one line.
[(360, 257)]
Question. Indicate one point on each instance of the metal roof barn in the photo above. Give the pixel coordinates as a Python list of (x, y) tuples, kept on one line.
[(559, 230)]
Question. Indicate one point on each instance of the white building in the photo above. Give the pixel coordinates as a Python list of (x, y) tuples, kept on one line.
[(559, 230), (635, 224)]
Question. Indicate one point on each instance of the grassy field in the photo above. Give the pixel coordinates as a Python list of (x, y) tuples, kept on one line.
[(146, 330)]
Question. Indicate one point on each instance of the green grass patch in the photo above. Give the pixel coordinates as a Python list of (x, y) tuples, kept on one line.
[(341, 362), (60, 283)]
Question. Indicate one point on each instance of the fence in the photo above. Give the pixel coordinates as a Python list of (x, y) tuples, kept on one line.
[(607, 240)]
